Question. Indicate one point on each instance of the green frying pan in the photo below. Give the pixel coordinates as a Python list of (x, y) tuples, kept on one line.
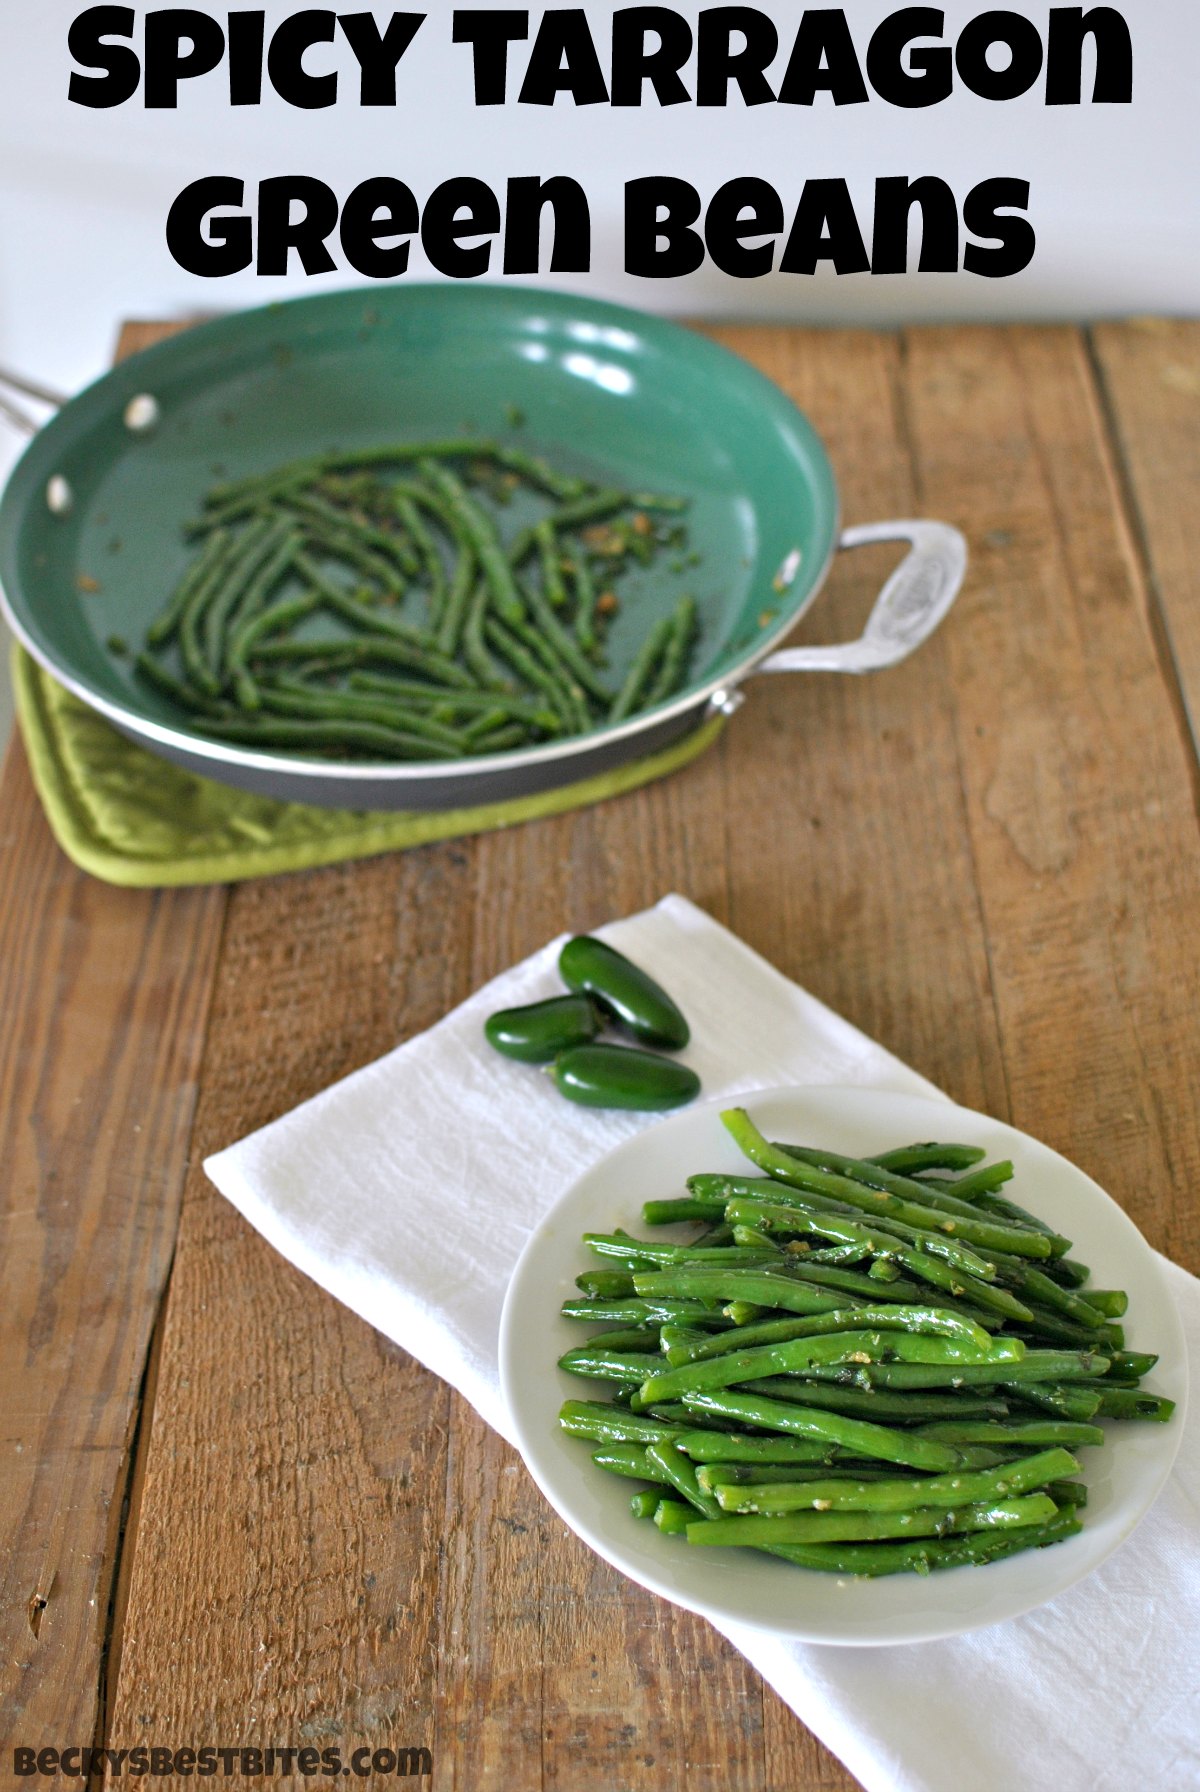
[(90, 523)]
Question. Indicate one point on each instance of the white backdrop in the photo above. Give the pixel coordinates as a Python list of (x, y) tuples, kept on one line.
[(84, 194)]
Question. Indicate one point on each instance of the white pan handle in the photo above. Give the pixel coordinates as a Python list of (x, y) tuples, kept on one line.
[(907, 610)]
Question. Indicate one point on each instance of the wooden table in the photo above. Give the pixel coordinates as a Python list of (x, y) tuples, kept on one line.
[(235, 1515)]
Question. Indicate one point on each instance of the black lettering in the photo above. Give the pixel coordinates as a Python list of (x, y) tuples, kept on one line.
[(489, 34), (244, 35), (160, 1762), (1015, 236), (206, 1763), (225, 248), (47, 1761), (378, 54), (1023, 41), (167, 63), (70, 1762), (633, 64), (895, 197), (285, 60), (572, 250), (1069, 27), (825, 228), (165, 60), (413, 1762), (718, 63), (139, 1760), (726, 228), (252, 1763), (928, 76), (659, 206), (85, 40), (374, 210), (823, 60), (563, 33), (309, 1761), (185, 1761), (24, 1762), (279, 233), (443, 230)]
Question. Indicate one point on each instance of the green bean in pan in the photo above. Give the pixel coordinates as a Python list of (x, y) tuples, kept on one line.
[(675, 654), (198, 646), (254, 731), (631, 695), (528, 666), (374, 530), (166, 624), (543, 649), (458, 598), (480, 531), (343, 706)]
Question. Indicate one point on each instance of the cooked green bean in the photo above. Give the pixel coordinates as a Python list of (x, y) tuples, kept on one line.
[(386, 743), (908, 1160), (819, 1527), (339, 706), (630, 695), (349, 510), (223, 586), (675, 654), (871, 1560), (958, 1488), (197, 575)]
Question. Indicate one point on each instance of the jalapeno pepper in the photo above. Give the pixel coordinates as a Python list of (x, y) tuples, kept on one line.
[(538, 1032), (621, 1076), (624, 991)]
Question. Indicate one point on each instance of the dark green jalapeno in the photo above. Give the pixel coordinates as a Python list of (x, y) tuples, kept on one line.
[(620, 1076), (624, 991), (538, 1032)]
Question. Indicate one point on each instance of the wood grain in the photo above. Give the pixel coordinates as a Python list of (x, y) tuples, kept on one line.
[(1074, 771), (104, 995), (986, 858), (1149, 376)]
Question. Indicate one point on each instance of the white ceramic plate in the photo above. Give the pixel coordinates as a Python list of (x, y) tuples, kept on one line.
[(742, 1587)]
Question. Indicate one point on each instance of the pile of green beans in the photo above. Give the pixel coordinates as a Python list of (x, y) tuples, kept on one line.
[(862, 1366), (371, 605)]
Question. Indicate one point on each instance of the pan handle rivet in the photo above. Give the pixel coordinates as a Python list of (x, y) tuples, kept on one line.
[(141, 412), (59, 496), (726, 703)]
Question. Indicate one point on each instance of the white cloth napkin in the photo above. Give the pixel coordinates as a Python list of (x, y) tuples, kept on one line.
[(1098, 1692)]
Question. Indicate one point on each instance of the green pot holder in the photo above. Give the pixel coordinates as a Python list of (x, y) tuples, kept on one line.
[(128, 817)]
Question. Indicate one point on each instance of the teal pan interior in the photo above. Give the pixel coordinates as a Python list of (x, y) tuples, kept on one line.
[(616, 396)]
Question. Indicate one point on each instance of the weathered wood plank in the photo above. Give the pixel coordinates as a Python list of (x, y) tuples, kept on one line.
[(1076, 775), (1149, 372), (104, 995)]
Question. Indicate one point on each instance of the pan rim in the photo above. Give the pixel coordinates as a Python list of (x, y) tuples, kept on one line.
[(703, 697)]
